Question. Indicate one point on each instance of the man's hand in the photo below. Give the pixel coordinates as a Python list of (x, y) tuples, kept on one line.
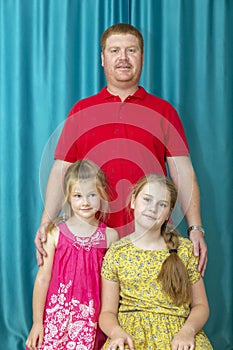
[(39, 240), (52, 205), (199, 249)]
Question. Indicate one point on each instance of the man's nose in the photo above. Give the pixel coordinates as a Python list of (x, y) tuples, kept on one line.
[(124, 55)]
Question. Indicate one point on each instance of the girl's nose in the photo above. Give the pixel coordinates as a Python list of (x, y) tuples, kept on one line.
[(153, 208), (85, 201)]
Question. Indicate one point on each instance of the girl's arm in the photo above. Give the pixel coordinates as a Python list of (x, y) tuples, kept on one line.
[(41, 285), (197, 318), (108, 316)]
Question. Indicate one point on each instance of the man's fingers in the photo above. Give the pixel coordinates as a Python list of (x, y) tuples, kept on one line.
[(203, 258), (202, 266), (200, 250), (41, 235), (39, 258), (40, 238), (40, 250), (196, 248)]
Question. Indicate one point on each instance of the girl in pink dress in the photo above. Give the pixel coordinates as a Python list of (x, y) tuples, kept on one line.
[(66, 296)]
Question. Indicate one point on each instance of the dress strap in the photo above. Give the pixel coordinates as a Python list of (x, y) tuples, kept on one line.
[(65, 230), (98, 237)]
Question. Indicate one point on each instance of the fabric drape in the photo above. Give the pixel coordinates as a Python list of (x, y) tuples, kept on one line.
[(50, 58)]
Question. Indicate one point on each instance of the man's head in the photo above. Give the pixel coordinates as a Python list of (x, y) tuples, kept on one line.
[(122, 57), (121, 28)]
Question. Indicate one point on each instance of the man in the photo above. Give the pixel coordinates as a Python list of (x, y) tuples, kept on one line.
[(128, 133)]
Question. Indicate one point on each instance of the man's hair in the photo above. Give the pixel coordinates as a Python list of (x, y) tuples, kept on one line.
[(121, 28)]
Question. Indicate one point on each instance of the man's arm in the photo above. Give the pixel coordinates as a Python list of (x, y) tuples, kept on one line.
[(183, 175), (53, 203)]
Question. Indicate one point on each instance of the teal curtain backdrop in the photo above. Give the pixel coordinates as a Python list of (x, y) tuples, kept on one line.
[(50, 58)]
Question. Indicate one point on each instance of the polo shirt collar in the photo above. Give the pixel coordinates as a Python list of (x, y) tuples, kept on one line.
[(139, 94)]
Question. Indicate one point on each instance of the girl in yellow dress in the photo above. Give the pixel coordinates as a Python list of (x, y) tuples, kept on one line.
[(153, 297)]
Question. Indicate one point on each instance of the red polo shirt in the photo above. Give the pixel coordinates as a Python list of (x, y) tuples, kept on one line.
[(126, 139)]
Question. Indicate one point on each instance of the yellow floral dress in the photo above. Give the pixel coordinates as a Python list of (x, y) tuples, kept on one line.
[(145, 311)]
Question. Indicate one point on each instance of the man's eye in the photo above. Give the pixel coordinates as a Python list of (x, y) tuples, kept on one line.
[(114, 50), (131, 50)]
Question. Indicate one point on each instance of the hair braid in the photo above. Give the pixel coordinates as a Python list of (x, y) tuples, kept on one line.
[(173, 274)]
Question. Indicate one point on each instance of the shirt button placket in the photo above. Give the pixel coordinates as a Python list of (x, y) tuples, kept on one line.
[(120, 114)]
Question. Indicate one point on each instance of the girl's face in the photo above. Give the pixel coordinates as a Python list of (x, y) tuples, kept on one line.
[(152, 206), (85, 200)]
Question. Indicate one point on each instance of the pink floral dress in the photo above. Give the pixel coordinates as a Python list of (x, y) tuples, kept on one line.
[(73, 299)]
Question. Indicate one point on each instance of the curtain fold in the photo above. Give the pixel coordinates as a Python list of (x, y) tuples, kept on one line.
[(50, 58)]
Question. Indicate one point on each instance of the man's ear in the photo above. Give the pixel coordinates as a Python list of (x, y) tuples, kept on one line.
[(132, 202), (143, 58), (102, 59)]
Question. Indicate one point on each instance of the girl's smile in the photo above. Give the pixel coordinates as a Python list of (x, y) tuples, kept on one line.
[(85, 200), (151, 206)]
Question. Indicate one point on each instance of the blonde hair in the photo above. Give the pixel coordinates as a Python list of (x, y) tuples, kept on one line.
[(121, 28), (83, 170), (173, 274)]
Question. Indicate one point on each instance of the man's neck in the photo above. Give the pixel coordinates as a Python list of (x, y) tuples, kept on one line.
[(122, 93)]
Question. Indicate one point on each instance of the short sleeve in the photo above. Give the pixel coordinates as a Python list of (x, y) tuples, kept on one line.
[(109, 267), (66, 147), (193, 273), (190, 261), (176, 142)]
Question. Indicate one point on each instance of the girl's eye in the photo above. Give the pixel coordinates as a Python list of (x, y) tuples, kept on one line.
[(92, 195), (146, 199), (77, 196), (163, 205)]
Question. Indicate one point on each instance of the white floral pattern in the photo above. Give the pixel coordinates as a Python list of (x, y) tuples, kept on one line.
[(88, 242), (68, 325)]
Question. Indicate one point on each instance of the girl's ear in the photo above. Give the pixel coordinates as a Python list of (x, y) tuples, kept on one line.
[(132, 201)]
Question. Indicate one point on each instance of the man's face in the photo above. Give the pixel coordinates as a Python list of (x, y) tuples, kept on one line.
[(122, 60)]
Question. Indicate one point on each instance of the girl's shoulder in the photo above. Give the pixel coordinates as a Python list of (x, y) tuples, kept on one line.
[(185, 247), (120, 244), (111, 236), (115, 251), (185, 243)]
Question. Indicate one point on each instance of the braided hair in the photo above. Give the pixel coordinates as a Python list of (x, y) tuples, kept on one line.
[(173, 274)]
